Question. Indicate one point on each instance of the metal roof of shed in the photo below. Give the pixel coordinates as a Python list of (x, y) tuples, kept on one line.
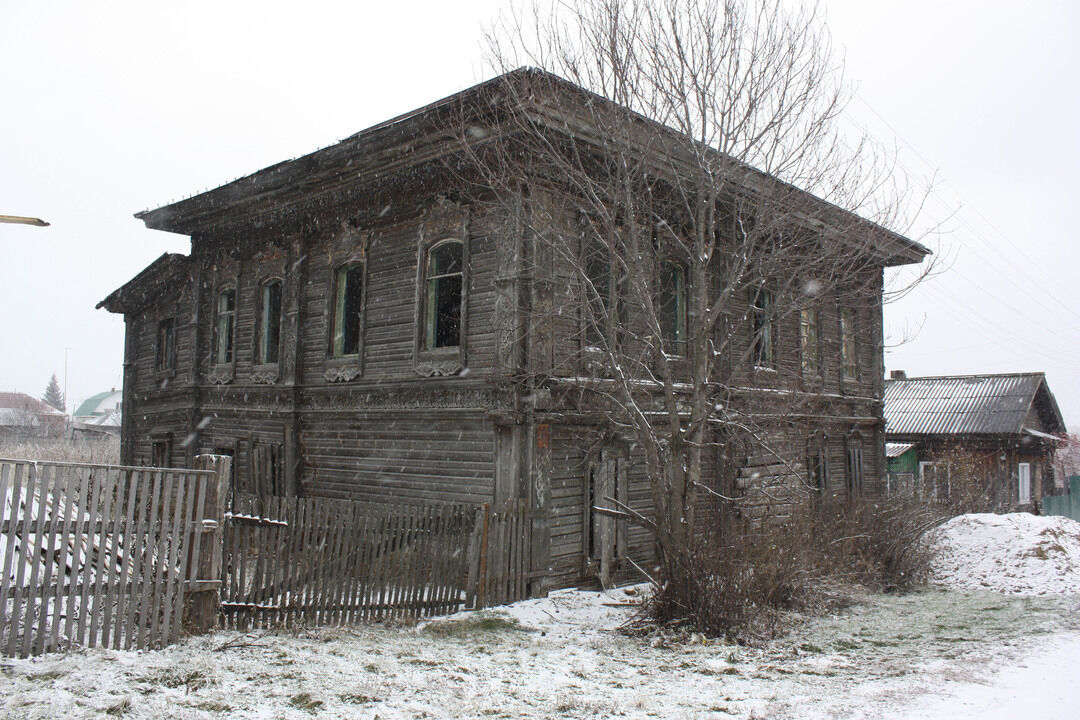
[(964, 405)]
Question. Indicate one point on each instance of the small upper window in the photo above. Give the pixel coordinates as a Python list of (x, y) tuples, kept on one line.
[(443, 283), (808, 341), (269, 323), (166, 345), (847, 343), (764, 338), (348, 304), (225, 327), (671, 307)]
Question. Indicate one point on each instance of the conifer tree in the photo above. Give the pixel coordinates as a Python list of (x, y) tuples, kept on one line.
[(53, 395)]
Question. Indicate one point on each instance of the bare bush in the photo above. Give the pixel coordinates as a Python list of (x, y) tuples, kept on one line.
[(102, 451), (744, 584)]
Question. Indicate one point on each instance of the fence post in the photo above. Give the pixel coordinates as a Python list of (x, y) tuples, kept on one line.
[(482, 558), (202, 604)]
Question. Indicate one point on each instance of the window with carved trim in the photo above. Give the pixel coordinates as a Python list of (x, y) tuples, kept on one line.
[(443, 287), (225, 327), (269, 332)]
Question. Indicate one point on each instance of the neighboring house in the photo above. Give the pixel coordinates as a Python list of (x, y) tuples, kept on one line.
[(347, 326), (98, 415), (1000, 428), (24, 418)]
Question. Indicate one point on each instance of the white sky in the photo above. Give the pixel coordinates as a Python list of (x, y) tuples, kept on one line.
[(111, 108)]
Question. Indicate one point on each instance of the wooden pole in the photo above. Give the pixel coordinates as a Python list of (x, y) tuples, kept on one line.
[(201, 605)]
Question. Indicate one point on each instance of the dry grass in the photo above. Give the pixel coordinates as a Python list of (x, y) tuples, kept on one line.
[(105, 451)]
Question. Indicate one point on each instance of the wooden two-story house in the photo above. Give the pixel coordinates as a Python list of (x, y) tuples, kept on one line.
[(353, 324)]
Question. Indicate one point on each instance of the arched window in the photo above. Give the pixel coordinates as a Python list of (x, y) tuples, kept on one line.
[(269, 323), (671, 307), (225, 327), (348, 305), (443, 285)]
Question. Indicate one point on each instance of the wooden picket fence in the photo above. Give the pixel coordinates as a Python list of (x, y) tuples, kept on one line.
[(502, 565), (318, 561), (103, 555)]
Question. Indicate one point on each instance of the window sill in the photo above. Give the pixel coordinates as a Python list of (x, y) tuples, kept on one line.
[(439, 362), (342, 368), (265, 374)]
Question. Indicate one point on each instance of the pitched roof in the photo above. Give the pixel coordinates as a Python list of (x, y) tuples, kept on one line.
[(95, 404), (968, 404), (401, 140), (147, 285)]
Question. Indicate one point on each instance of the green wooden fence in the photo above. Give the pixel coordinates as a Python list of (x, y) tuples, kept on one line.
[(1064, 505)]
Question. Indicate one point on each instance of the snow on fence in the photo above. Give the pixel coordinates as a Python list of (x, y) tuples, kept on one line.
[(103, 555), (318, 561)]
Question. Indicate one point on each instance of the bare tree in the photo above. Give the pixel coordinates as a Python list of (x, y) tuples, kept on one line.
[(671, 190)]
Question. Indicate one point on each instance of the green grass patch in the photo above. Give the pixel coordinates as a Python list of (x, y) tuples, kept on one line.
[(473, 626)]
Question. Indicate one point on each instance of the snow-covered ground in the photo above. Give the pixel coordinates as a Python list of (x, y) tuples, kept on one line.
[(938, 653), (1016, 553)]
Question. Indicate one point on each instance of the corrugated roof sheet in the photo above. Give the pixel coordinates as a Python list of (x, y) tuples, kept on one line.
[(959, 405), (895, 450)]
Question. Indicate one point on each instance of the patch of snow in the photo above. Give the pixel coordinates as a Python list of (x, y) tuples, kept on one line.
[(1018, 553)]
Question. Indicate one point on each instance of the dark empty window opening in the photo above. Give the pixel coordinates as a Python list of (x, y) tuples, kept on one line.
[(764, 329), (269, 322), (817, 463), (443, 287), (671, 307), (163, 360), (225, 327), (161, 452), (348, 305)]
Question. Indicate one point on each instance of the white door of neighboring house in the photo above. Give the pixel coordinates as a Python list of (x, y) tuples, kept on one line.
[(1023, 486)]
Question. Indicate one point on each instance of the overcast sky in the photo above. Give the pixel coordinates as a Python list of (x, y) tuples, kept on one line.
[(111, 108)]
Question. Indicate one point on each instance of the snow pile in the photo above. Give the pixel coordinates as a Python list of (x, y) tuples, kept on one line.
[(1018, 554)]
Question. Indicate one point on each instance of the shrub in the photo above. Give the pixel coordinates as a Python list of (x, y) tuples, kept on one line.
[(741, 585)]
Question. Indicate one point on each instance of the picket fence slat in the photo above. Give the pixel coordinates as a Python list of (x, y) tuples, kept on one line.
[(95, 554)]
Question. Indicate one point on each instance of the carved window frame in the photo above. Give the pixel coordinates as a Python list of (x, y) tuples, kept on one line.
[(345, 367), (263, 371), (817, 464)]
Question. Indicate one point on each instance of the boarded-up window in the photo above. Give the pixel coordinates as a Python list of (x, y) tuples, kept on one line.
[(269, 323), (166, 345), (225, 327), (443, 285), (854, 465), (348, 306)]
